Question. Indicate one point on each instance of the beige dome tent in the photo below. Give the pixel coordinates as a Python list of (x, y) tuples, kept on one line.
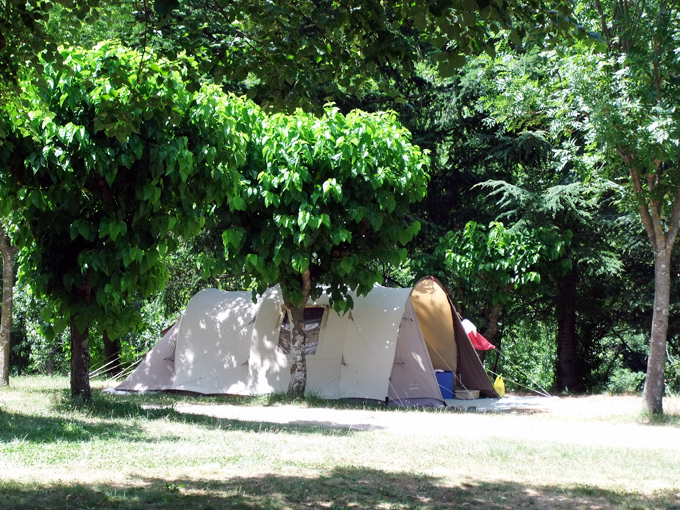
[(404, 346)]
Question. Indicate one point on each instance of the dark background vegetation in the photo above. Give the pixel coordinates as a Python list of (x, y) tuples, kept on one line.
[(507, 144)]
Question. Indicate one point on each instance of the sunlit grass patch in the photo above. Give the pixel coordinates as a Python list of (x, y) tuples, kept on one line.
[(140, 451)]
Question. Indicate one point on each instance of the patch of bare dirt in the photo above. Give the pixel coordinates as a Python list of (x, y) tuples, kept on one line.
[(593, 420)]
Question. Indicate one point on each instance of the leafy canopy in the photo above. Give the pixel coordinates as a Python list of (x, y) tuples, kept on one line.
[(297, 51), (114, 162), (25, 37), (493, 261), (325, 195)]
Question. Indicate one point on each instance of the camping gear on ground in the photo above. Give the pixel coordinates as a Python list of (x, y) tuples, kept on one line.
[(387, 348), (499, 386)]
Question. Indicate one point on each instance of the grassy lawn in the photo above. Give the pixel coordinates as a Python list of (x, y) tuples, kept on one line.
[(137, 452)]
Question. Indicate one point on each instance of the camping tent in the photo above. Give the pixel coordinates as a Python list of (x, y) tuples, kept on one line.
[(406, 346)]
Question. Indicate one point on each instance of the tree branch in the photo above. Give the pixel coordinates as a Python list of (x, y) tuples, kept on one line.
[(645, 214), (246, 37), (603, 23)]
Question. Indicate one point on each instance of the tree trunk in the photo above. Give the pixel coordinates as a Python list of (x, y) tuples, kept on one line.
[(663, 240), (652, 395), (111, 355), (490, 328), (569, 366), (298, 366), (491, 323), (297, 356), (8, 255), (80, 361), (80, 348)]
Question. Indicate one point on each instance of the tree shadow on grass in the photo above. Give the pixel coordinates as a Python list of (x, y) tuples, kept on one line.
[(103, 417), (341, 488), (164, 407), (23, 428)]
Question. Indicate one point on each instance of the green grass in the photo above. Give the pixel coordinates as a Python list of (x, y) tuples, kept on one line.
[(137, 452)]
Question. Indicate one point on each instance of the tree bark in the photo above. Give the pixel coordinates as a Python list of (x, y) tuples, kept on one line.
[(297, 356), (80, 348), (491, 315), (491, 323), (569, 366), (80, 361), (8, 255), (111, 355), (652, 396), (663, 240)]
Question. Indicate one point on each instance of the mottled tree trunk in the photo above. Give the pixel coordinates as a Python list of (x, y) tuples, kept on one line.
[(8, 255), (80, 348), (111, 355), (491, 315), (662, 235), (491, 323), (297, 356), (569, 366), (80, 361), (652, 395)]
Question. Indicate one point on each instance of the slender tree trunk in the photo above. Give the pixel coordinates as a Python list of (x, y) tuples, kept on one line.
[(80, 349), (569, 366), (80, 361), (491, 315), (491, 323), (8, 255), (663, 240), (111, 355), (297, 356), (652, 395)]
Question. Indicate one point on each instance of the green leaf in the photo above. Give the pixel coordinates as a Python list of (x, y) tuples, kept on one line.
[(346, 265), (420, 21), (255, 262), (81, 322), (233, 237), (238, 203), (300, 263), (114, 230), (49, 333), (303, 219)]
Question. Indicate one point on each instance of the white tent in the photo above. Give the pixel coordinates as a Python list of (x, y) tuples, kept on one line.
[(401, 345)]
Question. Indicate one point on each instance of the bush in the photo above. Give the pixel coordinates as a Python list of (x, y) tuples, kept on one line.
[(529, 355), (625, 381)]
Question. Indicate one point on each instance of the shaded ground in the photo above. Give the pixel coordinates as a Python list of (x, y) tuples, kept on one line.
[(345, 488)]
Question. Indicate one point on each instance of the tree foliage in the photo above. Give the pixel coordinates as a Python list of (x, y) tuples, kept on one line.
[(25, 39), (320, 199), (502, 260), (632, 98), (538, 121), (529, 125), (297, 52), (114, 162)]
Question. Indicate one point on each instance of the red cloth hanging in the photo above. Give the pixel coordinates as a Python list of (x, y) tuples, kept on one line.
[(478, 341)]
